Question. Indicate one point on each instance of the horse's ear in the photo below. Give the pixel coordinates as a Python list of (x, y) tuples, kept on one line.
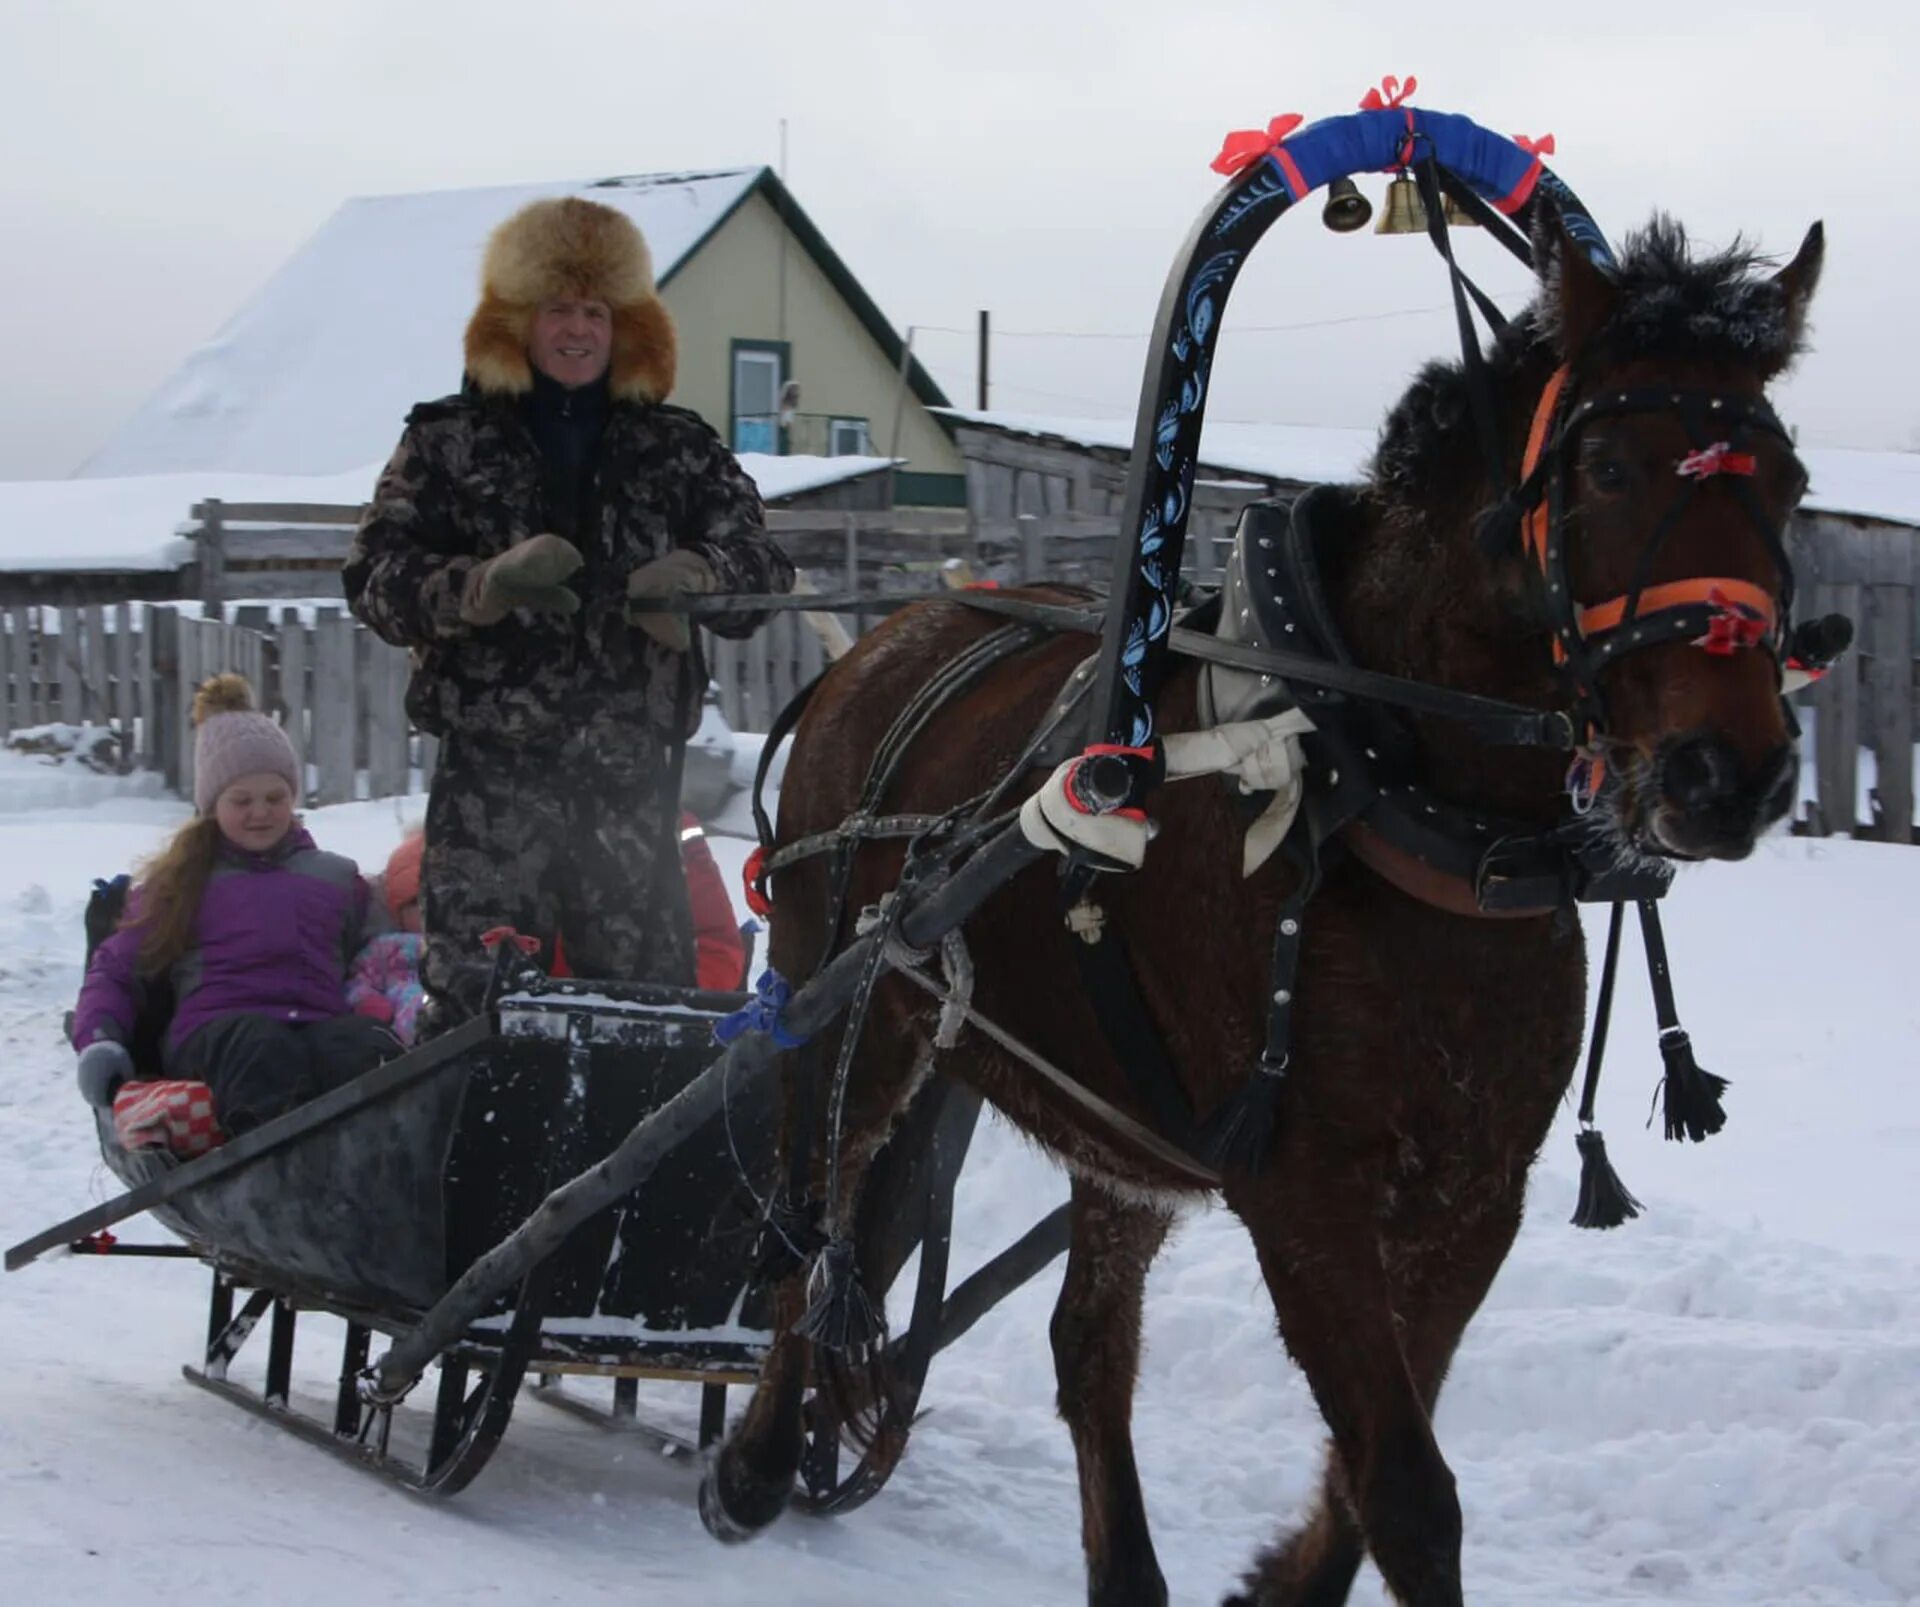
[(1798, 279), (1582, 295)]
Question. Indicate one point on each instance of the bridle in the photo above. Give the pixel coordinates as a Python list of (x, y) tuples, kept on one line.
[(1719, 614)]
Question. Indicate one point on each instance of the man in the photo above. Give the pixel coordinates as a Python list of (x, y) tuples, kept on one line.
[(514, 525)]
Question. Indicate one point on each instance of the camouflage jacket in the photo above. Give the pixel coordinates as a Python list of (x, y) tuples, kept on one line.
[(465, 484)]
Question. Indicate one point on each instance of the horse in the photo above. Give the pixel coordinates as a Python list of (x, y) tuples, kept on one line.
[(1431, 1045)]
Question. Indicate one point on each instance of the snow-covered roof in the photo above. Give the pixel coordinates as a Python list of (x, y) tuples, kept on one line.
[(132, 522), (1874, 485), (316, 372)]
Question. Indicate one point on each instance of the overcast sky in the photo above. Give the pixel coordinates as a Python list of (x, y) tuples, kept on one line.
[(159, 159)]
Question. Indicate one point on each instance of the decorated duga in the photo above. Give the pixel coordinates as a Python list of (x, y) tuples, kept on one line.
[(1266, 893)]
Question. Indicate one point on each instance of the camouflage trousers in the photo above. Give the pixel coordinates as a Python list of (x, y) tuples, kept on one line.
[(579, 842)]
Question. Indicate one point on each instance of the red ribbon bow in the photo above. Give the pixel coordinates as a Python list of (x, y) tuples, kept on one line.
[(1543, 146), (1390, 94), (494, 936), (751, 875), (1720, 458), (1245, 146), (1732, 627)]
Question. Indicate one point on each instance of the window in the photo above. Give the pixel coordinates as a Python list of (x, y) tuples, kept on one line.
[(847, 438), (759, 367)]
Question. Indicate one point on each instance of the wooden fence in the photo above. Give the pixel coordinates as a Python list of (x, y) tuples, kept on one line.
[(1864, 569), (133, 668), (132, 665)]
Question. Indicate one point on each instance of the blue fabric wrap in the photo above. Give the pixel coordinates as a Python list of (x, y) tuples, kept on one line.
[(1369, 142), (771, 995)]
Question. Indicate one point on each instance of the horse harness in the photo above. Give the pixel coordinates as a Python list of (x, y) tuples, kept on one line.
[(1270, 641)]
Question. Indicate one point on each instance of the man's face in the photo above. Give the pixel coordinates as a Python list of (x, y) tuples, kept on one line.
[(572, 341)]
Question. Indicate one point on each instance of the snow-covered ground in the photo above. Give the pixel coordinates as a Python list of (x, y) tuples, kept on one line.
[(1718, 1403)]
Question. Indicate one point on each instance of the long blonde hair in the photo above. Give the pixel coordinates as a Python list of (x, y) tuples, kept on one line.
[(169, 887)]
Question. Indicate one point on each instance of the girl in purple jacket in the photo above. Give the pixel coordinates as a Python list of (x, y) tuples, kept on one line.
[(253, 925)]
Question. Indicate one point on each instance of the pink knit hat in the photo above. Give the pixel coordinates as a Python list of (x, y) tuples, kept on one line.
[(232, 739)]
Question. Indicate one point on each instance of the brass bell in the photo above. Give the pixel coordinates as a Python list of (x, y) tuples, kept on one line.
[(1404, 214), (1346, 209), (1457, 216)]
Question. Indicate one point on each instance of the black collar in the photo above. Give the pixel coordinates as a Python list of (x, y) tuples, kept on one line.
[(1364, 763)]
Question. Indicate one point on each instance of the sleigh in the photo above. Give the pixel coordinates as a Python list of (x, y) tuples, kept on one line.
[(368, 1204)]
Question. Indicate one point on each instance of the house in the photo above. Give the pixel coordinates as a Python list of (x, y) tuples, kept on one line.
[(781, 350)]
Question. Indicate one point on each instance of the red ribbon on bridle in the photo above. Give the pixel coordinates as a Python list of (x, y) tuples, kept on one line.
[(1543, 146), (1720, 458), (1390, 94), (752, 877), (1734, 626), (1245, 146)]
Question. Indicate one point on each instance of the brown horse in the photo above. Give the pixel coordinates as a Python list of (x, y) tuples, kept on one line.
[(1431, 1049)]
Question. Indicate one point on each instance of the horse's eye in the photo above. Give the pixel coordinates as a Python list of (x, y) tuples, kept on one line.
[(1605, 474)]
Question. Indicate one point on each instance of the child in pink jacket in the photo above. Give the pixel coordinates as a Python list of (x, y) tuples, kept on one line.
[(384, 982)]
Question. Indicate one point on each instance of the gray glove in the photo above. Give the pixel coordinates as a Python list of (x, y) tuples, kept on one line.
[(673, 574), (103, 1066), (531, 575)]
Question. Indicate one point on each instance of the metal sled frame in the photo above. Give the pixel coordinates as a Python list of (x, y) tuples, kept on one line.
[(482, 1373), (479, 1382)]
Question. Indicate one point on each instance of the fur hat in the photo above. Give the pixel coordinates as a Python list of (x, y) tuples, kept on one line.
[(232, 739), (566, 247)]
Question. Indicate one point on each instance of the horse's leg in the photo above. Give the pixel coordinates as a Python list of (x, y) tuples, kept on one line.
[(1316, 1564), (1096, 1358), (751, 1479), (1315, 1227)]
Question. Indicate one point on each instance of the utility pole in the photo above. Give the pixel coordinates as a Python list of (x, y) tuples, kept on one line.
[(981, 403)]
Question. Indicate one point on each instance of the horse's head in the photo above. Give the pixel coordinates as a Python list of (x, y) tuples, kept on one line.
[(1661, 485)]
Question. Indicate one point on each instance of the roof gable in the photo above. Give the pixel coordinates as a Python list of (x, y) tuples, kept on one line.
[(767, 183)]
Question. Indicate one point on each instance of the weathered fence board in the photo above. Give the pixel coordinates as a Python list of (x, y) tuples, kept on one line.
[(333, 688), (1837, 723), (67, 652), (292, 689), (1890, 671), (126, 705), (387, 734), (186, 678)]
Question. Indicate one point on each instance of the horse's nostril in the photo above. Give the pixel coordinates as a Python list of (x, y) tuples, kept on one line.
[(1699, 773)]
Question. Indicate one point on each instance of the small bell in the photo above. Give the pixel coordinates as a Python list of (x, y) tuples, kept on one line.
[(1457, 216), (1346, 209), (1404, 214)]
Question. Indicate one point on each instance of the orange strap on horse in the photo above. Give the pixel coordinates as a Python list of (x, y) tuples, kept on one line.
[(1533, 525), (1746, 611), (1744, 615)]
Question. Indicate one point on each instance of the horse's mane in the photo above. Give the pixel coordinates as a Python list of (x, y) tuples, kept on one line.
[(1671, 307)]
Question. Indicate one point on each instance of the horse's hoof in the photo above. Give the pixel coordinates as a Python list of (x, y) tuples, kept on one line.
[(731, 1513)]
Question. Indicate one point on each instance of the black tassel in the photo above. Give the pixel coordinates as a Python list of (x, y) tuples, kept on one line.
[(1690, 1097), (839, 1316), (1604, 1201), (1244, 1126)]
